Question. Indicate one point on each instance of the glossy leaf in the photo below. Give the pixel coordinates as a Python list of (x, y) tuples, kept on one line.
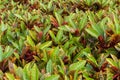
[(77, 66), (59, 35), (49, 67), (45, 45), (83, 22), (1, 53), (30, 41), (52, 77), (34, 73), (111, 62), (10, 76), (19, 16), (92, 32)]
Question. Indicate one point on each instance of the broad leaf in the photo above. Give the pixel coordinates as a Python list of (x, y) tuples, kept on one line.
[(10, 76), (1, 53), (113, 63), (83, 22), (77, 66), (34, 73), (52, 77), (49, 67), (30, 41), (59, 35), (45, 44)]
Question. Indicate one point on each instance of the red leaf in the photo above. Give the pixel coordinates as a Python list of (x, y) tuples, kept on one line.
[(77, 33), (64, 23), (115, 76), (39, 36), (104, 65), (54, 21), (115, 69), (83, 41)]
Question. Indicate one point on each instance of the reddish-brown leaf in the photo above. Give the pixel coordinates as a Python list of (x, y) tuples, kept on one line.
[(54, 21), (115, 69), (27, 54), (77, 32), (109, 32), (104, 65), (83, 41), (39, 36), (102, 43), (66, 60), (114, 40), (115, 76), (64, 23)]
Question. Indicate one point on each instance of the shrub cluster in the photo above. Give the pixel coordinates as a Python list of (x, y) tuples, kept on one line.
[(59, 40)]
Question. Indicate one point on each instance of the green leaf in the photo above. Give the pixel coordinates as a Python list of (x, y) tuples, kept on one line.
[(19, 72), (54, 54), (66, 45), (32, 1), (76, 75), (109, 74), (98, 29), (59, 35), (88, 54), (32, 34), (59, 18), (15, 45), (91, 17), (1, 75), (19, 16), (46, 30), (53, 77), (77, 66), (10, 76), (52, 35), (1, 53), (26, 71), (50, 4), (49, 67), (72, 23), (37, 29), (43, 6), (30, 41), (45, 45), (79, 55), (86, 76), (114, 58), (88, 2), (34, 73), (35, 17), (113, 63), (92, 32), (62, 67), (22, 25), (91, 58), (8, 52), (71, 49), (61, 70), (117, 25), (16, 55), (66, 28), (83, 22), (45, 56), (3, 26)]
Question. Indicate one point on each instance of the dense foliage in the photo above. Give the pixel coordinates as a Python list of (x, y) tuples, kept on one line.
[(59, 40)]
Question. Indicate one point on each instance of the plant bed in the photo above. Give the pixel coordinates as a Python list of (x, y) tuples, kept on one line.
[(59, 40)]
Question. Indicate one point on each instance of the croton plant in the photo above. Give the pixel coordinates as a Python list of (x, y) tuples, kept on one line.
[(59, 39)]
